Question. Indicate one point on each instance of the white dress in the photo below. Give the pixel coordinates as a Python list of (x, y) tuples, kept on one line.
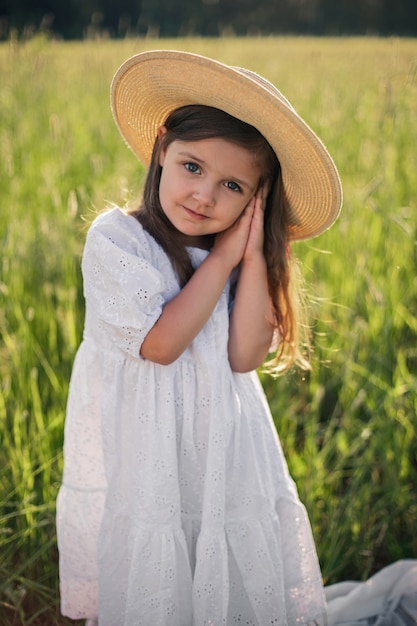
[(177, 508)]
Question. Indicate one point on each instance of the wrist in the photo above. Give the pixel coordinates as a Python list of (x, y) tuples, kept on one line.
[(255, 259), (221, 257)]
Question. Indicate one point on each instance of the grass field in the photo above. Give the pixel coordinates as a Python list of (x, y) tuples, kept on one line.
[(349, 427)]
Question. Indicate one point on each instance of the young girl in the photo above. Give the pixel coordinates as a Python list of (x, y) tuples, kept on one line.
[(177, 507)]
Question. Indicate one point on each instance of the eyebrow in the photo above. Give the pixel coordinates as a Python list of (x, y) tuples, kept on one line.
[(191, 156)]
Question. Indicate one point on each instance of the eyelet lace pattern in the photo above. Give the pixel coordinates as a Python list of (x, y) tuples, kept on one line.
[(177, 508)]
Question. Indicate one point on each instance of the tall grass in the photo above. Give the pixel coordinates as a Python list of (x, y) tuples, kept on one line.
[(349, 427)]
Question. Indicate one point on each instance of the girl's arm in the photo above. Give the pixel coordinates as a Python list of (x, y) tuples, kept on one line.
[(185, 315), (251, 322)]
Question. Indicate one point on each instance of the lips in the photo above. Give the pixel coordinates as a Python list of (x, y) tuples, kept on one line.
[(194, 215)]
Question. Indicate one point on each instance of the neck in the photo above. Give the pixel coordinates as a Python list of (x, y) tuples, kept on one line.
[(204, 242)]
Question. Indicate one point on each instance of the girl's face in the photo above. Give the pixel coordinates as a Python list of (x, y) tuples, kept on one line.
[(205, 185)]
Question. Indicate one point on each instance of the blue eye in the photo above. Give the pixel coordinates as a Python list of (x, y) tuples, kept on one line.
[(232, 186), (192, 167)]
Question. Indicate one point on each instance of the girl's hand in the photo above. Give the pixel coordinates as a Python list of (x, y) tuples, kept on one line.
[(251, 321), (255, 241), (231, 243)]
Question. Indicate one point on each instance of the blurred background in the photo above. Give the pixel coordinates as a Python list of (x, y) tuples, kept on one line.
[(348, 427), (76, 19)]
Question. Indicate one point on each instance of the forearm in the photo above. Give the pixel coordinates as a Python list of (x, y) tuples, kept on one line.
[(251, 322), (185, 315)]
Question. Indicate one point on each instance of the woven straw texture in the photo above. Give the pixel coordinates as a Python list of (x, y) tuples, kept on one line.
[(148, 86)]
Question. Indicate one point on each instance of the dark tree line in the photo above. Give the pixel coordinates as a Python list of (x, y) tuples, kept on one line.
[(75, 19)]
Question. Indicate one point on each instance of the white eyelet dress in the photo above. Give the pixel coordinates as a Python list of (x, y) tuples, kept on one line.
[(176, 508)]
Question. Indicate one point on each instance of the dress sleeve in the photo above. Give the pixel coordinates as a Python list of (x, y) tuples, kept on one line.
[(124, 292)]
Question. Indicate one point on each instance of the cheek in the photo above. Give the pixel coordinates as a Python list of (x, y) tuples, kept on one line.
[(163, 191), (166, 181), (229, 217)]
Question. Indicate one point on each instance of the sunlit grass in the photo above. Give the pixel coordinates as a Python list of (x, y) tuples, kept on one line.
[(349, 427)]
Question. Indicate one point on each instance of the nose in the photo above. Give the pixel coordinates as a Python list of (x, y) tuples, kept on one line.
[(204, 193)]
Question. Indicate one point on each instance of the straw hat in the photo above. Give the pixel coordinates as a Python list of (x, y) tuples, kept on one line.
[(148, 86)]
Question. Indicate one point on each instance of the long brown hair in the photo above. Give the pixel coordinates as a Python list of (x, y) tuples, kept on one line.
[(198, 122)]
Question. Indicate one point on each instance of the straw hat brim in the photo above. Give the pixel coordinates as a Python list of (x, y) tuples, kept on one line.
[(149, 85)]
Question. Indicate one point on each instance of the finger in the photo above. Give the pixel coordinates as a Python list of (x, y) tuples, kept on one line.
[(259, 210), (252, 202), (262, 195), (248, 211), (257, 199)]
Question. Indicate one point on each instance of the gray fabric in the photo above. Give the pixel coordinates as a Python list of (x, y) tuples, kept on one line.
[(389, 598)]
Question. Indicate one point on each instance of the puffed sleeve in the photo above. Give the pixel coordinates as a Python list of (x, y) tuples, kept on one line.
[(124, 291)]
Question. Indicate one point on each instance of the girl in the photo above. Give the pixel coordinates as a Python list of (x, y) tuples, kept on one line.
[(176, 506)]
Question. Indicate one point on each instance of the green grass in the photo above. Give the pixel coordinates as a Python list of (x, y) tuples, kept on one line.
[(348, 428)]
